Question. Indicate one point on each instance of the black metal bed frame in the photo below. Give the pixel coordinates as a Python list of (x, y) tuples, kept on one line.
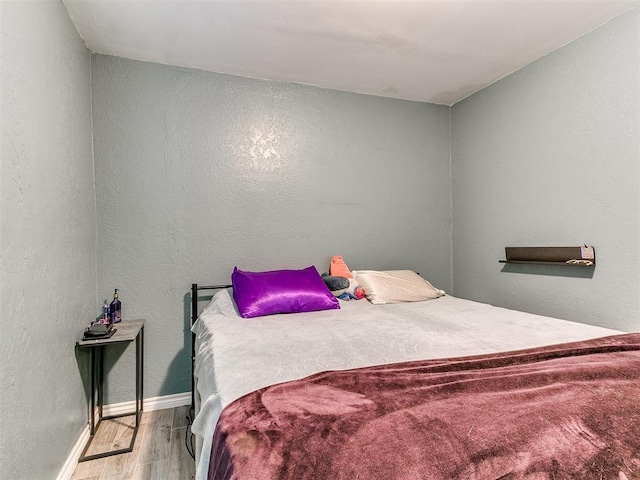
[(195, 288)]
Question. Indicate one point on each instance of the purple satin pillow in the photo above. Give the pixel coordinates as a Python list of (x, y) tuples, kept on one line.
[(281, 291)]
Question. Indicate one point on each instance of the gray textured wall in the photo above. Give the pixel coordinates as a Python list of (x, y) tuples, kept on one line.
[(197, 172), (47, 248), (550, 156)]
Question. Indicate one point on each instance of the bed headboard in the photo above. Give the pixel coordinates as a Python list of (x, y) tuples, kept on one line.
[(195, 288)]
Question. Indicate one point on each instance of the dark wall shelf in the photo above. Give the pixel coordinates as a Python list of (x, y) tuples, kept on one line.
[(563, 264), (560, 256)]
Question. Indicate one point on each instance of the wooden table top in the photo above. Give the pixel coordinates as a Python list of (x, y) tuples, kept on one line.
[(126, 331)]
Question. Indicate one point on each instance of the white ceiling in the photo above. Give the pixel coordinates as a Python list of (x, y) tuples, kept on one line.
[(437, 51)]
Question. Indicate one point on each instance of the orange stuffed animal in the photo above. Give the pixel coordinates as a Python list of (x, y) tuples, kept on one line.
[(338, 268)]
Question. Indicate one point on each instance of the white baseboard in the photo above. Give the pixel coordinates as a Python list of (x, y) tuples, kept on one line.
[(149, 405), (72, 460)]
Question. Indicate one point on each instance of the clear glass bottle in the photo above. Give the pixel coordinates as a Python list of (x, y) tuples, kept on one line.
[(115, 309)]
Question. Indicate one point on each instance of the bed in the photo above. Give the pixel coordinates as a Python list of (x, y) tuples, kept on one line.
[(248, 360)]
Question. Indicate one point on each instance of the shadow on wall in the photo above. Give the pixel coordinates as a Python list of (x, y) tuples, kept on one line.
[(549, 270), (112, 354), (178, 377), (83, 362)]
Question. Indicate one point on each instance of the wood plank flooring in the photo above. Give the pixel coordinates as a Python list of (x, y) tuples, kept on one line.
[(159, 452)]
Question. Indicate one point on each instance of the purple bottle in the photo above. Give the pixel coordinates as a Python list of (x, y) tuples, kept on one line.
[(115, 309)]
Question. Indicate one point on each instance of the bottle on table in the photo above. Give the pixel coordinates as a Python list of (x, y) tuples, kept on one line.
[(106, 314), (115, 308)]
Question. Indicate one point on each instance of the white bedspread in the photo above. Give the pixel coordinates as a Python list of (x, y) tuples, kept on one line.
[(235, 356)]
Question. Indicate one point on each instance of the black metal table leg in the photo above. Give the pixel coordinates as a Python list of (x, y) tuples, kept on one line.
[(100, 382), (141, 367), (93, 392)]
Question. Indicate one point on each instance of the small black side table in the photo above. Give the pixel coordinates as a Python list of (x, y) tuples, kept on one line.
[(126, 331)]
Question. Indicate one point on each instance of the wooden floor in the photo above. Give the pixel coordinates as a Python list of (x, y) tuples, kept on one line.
[(159, 452)]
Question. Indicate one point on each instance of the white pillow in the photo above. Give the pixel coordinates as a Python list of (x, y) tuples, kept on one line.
[(396, 286)]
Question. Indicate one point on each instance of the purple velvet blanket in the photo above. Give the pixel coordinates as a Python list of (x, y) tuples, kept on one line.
[(569, 411)]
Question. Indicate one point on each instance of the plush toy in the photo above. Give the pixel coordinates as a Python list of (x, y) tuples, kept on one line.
[(335, 283), (341, 282), (354, 291), (338, 268)]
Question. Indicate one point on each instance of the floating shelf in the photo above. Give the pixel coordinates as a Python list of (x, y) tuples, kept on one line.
[(565, 256)]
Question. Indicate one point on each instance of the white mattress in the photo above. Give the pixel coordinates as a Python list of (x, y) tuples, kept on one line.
[(235, 356)]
